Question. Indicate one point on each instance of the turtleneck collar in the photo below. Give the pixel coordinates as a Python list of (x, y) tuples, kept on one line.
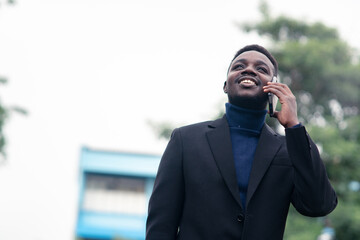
[(246, 119)]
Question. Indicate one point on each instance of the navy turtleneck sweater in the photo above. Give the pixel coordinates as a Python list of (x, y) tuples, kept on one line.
[(245, 126)]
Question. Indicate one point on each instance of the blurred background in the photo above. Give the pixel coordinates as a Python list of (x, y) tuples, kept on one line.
[(88, 81)]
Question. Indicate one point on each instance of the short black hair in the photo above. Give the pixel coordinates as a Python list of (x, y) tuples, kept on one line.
[(258, 48)]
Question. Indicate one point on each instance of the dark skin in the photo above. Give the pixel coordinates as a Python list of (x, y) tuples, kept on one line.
[(249, 81)]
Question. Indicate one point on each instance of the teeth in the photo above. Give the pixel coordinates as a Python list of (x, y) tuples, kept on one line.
[(247, 81)]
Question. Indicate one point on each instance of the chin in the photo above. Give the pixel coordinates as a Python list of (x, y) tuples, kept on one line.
[(256, 103)]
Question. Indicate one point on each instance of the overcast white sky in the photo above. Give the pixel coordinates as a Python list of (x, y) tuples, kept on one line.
[(91, 73)]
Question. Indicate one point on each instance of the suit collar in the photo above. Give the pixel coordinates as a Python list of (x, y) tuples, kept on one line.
[(219, 122), (220, 143), (268, 145)]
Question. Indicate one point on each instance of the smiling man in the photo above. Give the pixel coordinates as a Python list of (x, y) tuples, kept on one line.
[(234, 178)]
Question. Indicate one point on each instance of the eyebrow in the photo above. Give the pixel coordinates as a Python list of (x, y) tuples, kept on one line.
[(258, 62)]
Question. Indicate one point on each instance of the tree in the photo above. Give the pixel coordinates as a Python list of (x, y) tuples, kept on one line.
[(9, 2), (5, 112), (322, 70)]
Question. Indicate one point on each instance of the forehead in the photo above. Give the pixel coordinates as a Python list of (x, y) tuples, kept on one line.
[(253, 56)]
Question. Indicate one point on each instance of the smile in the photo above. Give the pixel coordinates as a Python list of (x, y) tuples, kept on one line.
[(248, 82)]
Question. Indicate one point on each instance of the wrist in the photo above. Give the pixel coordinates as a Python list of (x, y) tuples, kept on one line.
[(292, 124)]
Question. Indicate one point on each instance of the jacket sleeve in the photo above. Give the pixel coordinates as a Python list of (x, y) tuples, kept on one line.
[(166, 201), (313, 194)]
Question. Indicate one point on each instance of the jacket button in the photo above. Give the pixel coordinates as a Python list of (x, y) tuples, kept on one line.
[(240, 217)]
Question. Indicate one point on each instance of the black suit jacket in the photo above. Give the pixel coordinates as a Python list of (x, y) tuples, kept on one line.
[(196, 197)]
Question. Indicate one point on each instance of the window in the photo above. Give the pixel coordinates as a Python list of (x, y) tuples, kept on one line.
[(114, 194)]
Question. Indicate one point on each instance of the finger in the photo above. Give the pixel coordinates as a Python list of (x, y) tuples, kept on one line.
[(281, 86), (277, 91)]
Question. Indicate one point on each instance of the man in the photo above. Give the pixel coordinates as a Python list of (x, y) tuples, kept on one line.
[(234, 178)]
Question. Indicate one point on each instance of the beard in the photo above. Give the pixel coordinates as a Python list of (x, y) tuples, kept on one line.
[(258, 102)]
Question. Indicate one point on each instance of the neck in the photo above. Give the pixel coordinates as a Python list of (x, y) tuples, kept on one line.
[(247, 119)]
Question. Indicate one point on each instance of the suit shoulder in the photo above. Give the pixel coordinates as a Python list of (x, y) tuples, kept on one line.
[(201, 127), (195, 126), (273, 132)]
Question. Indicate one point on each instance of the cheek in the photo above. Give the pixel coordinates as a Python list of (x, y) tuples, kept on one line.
[(265, 80), (231, 77)]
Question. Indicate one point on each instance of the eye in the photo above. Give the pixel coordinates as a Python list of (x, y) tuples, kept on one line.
[(238, 67), (262, 69)]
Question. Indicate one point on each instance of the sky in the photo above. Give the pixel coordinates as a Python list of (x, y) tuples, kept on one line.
[(94, 73)]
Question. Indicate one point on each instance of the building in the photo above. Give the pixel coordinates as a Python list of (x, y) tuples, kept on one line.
[(114, 192)]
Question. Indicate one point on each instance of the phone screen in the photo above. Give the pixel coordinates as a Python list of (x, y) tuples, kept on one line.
[(272, 100)]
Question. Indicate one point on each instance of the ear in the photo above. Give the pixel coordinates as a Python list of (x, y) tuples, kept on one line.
[(225, 87)]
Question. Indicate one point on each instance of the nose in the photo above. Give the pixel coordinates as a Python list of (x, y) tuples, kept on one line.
[(249, 70)]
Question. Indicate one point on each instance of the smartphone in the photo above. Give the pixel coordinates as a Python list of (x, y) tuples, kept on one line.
[(272, 100)]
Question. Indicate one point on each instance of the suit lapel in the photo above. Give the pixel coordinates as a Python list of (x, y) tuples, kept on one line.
[(220, 143), (268, 146)]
